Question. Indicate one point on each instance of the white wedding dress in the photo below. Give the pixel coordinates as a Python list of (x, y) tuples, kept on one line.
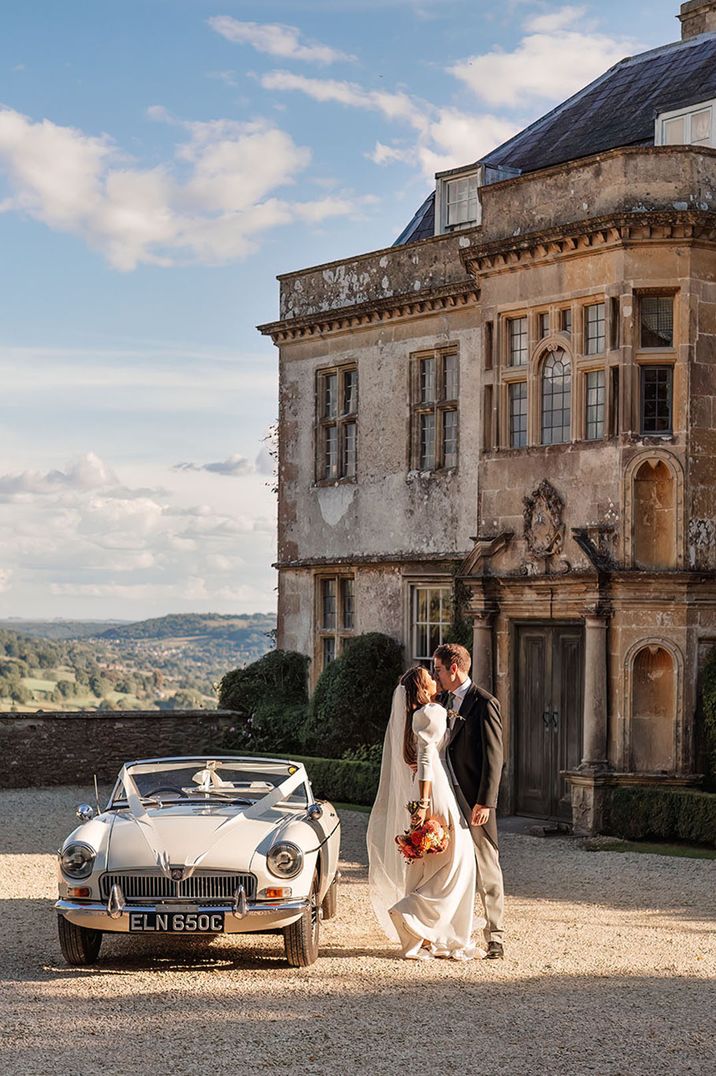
[(433, 897)]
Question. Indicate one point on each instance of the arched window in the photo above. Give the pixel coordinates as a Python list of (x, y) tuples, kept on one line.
[(556, 398), (654, 516), (653, 711)]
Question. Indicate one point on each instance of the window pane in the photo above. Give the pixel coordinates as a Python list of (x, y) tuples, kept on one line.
[(347, 601), (518, 414), (330, 396), (657, 320), (432, 616), (427, 381), (517, 330), (543, 326), (595, 329), (349, 450), (556, 399), (350, 392), (701, 126), (330, 452), (673, 132), (449, 438), (328, 604), (449, 385), (596, 397), (461, 200), (427, 442), (656, 399), (329, 650), (567, 321)]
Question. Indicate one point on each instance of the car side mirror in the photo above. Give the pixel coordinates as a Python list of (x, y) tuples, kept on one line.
[(84, 812), (315, 811)]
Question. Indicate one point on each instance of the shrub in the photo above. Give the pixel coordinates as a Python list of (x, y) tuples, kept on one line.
[(276, 728), (709, 712), (666, 813), (278, 677), (351, 704)]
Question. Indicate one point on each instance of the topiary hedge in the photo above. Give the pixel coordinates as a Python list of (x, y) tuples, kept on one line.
[(279, 677), (337, 779), (272, 695), (352, 700), (667, 813)]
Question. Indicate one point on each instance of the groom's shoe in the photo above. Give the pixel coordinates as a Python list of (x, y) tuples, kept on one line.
[(495, 951)]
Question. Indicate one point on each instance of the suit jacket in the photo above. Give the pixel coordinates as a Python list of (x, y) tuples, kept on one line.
[(475, 752)]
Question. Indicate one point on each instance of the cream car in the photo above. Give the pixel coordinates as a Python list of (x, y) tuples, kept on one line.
[(201, 846)]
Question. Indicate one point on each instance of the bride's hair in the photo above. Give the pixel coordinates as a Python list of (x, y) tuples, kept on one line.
[(416, 695)]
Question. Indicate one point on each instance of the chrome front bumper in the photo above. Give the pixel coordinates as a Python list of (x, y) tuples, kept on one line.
[(258, 915)]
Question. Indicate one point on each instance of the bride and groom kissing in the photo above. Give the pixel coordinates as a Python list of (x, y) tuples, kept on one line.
[(442, 760)]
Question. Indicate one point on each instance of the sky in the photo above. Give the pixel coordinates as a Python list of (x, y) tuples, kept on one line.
[(160, 162)]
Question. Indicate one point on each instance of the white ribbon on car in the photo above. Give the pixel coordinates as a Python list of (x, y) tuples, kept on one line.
[(256, 810)]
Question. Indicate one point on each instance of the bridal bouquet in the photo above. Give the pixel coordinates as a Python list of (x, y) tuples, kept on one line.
[(425, 840)]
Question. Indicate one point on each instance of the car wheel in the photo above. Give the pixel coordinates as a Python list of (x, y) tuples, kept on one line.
[(78, 944), (330, 901), (301, 938)]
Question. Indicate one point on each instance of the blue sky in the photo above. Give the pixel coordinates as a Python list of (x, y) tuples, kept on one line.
[(160, 162)]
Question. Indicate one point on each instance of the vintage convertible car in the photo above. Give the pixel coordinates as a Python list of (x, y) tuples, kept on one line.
[(201, 846)]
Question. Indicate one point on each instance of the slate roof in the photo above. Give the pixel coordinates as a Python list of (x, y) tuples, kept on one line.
[(617, 109)]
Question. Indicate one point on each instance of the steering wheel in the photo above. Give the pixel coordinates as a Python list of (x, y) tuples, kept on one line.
[(163, 788)]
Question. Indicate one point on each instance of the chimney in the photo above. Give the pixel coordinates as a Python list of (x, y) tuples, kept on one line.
[(697, 17)]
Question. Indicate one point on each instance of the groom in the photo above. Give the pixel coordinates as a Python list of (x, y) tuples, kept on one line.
[(475, 762)]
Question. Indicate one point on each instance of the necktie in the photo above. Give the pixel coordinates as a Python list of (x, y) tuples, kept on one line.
[(451, 706)]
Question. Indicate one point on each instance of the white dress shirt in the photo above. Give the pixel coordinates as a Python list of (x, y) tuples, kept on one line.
[(458, 698)]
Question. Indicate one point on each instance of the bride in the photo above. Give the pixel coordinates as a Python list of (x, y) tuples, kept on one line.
[(426, 905)]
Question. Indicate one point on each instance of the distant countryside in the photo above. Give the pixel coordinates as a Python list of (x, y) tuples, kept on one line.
[(169, 663)]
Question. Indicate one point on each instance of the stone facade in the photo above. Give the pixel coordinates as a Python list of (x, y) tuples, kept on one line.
[(68, 748), (589, 563)]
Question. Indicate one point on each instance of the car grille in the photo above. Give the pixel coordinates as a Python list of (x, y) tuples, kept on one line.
[(202, 886)]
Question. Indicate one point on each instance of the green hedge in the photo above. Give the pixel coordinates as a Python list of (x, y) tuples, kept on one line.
[(337, 779), (669, 814), (709, 711)]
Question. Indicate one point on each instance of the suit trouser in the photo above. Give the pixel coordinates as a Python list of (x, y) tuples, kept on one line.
[(490, 885)]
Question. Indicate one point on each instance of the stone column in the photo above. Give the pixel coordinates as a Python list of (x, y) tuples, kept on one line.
[(594, 753), (482, 650)]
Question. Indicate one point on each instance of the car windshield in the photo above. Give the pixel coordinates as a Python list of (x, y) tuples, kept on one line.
[(200, 780)]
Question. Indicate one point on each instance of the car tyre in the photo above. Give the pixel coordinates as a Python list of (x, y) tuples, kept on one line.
[(79, 945), (330, 901), (301, 938)]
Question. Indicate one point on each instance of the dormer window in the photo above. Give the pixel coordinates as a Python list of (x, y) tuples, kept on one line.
[(457, 203), (692, 126)]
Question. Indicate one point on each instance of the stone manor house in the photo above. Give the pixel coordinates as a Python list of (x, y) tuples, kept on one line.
[(516, 404)]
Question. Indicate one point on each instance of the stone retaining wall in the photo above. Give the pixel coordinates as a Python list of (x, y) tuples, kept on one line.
[(67, 748)]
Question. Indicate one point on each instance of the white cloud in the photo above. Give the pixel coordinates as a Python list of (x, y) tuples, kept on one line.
[(557, 56), (393, 106), (276, 40), (210, 204), (87, 542), (235, 466), (87, 473), (446, 137)]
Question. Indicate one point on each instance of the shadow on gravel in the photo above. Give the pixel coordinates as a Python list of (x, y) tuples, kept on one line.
[(306, 1021)]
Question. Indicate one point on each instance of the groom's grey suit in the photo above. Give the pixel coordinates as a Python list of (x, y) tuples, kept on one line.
[(475, 760)]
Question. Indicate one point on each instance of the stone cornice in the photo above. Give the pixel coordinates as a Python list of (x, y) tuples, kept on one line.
[(589, 236), (345, 319), (399, 559)]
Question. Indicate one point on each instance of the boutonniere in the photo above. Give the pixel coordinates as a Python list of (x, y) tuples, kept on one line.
[(455, 716)]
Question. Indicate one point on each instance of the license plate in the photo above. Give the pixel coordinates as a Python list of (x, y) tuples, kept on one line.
[(176, 922)]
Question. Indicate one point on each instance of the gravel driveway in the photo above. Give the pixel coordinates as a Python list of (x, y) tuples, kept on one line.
[(611, 969)]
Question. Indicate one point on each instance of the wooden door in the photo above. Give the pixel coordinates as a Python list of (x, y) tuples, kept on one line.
[(548, 717)]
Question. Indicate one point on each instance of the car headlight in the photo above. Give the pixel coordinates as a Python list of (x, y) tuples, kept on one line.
[(285, 860), (77, 860)]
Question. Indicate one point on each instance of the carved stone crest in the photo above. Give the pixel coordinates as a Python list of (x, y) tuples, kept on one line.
[(544, 529)]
